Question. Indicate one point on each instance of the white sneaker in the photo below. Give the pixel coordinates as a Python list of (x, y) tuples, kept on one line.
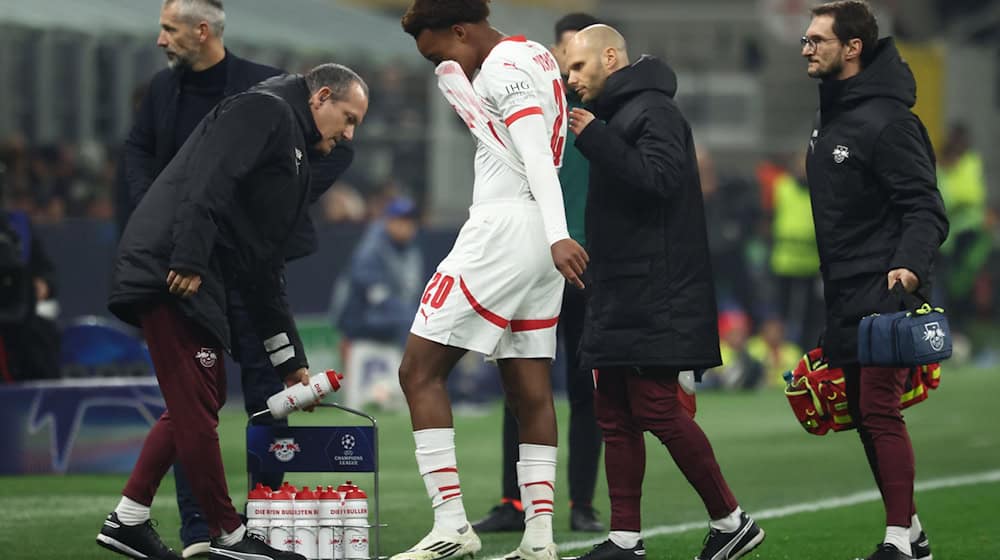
[(548, 552), (463, 543)]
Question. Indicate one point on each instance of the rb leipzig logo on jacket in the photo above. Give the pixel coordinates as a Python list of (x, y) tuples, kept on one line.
[(840, 154)]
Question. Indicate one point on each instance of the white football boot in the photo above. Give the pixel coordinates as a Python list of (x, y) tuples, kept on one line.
[(463, 543), (548, 552)]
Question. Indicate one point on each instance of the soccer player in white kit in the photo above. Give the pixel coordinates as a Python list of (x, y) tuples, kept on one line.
[(500, 289)]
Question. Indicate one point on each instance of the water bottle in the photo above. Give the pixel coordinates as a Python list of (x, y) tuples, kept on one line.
[(329, 518), (355, 525), (299, 396), (282, 526), (258, 511), (338, 529), (306, 523)]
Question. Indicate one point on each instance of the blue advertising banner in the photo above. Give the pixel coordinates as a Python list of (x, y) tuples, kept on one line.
[(311, 449), (76, 426)]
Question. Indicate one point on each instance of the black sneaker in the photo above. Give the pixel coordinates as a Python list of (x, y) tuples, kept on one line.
[(252, 547), (920, 549), (502, 518), (584, 518), (720, 545), (135, 541), (608, 550), (886, 551)]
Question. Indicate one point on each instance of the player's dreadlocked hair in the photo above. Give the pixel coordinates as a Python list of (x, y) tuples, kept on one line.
[(442, 14)]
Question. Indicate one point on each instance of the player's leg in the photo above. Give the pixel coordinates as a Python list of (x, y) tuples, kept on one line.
[(423, 375), (528, 386), (656, 407), (584, 435)]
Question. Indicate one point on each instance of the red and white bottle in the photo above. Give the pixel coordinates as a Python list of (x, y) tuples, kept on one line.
[(355, 515), (329, 518), (306, 523), (299, 396), (339, 543), (258, 511), (282, 525)]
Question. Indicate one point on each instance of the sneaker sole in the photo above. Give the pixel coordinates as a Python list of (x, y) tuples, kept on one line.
[(215, 553), (750, 546), (115, 545)]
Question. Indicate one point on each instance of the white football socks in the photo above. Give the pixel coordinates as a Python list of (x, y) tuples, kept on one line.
[(131, 512), (729, 523), (536, 475), (898, 537), (438, 467), (624, 539), (229, 539), (915, 528)]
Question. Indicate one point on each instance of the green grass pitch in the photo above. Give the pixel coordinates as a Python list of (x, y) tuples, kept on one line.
[(769, 461)]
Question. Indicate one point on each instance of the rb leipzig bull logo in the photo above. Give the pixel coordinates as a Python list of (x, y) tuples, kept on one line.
[(284, 449), (934, 334)]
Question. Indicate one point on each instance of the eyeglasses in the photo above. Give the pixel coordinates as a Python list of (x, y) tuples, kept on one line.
[(812, 42)]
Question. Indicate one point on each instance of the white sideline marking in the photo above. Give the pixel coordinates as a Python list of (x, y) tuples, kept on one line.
[(794, 509)]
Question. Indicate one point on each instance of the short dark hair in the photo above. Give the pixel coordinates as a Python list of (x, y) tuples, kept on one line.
[(337, 77), (574, 22), (852, 19), (442, 14)]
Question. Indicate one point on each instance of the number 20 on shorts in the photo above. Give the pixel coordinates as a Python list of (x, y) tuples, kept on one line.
[(437, 291)]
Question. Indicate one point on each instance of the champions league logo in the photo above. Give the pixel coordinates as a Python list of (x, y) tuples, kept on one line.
[(935, 335), (284, 449), (347, 442)]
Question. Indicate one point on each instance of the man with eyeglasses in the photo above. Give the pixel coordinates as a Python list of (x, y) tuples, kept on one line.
[(879, 221)]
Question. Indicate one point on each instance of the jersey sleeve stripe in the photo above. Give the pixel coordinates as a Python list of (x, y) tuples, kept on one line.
[(522, 113)]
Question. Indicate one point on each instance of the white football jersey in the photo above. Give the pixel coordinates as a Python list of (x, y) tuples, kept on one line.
[(519, 78)]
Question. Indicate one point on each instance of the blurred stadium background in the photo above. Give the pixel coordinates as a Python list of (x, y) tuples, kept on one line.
[(72, 71)]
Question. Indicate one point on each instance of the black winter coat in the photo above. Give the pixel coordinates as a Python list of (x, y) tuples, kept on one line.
[(875, 200), (151, 145), (224, 208), (651, 297)]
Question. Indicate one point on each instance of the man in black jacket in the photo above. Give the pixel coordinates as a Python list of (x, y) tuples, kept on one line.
[(201, 72), (879, 222), (217, 218), (651, 310)]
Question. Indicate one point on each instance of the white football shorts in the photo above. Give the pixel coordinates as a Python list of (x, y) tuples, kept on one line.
[(498, 291)]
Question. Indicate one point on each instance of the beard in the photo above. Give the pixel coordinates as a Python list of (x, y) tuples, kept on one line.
[(832, 71), (176, 61)]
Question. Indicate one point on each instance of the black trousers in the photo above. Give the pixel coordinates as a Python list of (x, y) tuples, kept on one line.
[(584, 435)]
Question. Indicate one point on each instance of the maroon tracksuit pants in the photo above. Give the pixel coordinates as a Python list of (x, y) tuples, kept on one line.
[(189, 368), (873, 395), (627, 404)]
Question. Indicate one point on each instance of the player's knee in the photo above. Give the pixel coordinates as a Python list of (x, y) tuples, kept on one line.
[(412, 377)]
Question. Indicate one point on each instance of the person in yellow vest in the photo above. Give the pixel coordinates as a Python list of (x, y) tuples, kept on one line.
[(963, 188), (794, 257), (773, 351)]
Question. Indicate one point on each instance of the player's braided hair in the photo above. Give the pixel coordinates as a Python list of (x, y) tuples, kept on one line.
[(442, 14)]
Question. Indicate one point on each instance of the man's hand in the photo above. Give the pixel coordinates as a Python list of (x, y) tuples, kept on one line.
[(904, 276), (570, 259), (579, 119), (300, 375), (41, 289), (184, 285)]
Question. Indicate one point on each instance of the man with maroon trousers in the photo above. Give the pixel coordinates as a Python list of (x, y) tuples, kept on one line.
[(879, 222), (651, 310)]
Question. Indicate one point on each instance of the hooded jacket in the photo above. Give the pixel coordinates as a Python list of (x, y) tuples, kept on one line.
[(651, 301), (875, 201), (224, 208), (151, 143)]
